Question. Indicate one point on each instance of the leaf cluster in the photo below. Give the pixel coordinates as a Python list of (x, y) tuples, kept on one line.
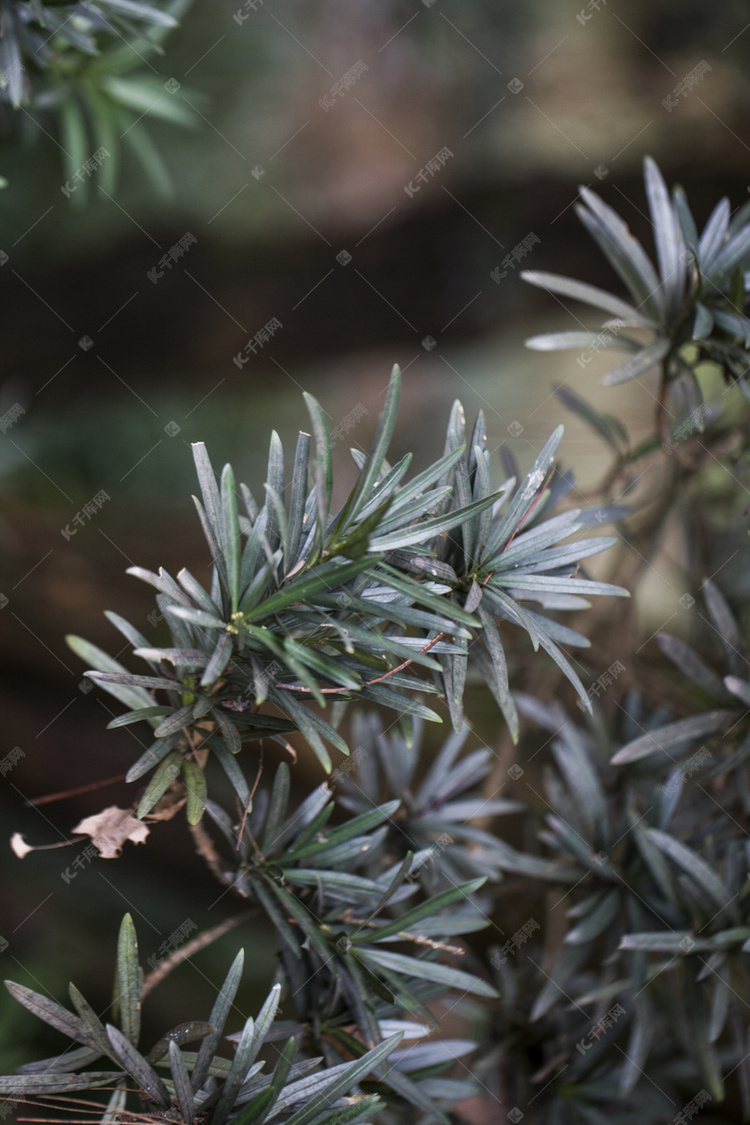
[(690, 305), (80, 65)]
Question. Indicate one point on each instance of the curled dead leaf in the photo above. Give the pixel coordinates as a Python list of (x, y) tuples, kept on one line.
[(110, 828)]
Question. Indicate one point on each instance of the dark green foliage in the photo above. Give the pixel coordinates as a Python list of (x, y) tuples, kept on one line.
[(81, 65), (692, 308), (201, 1085), (598, 955), (307, 606)]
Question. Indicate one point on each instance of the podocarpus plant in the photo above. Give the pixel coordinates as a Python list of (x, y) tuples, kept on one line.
[(79, 65), (624, 991)]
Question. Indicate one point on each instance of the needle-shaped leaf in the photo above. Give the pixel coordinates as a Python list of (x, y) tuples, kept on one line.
[(195, 784), (674, 736), (692, 864), (166, 774), (137, 1067), (251, 1040), (129, 980), (368, 477), (218, 1018), (421, 969), (589, 294), (344, 1081), (156, 752), (99, 660), (181, 1079), (23, 1085), (670, 244), (230, 534), (624, 253), (639, 364), (50, 1012)]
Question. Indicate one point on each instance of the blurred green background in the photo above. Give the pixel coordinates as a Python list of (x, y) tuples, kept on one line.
[(364, 222)]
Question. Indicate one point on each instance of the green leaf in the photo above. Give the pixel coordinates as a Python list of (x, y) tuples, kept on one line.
[(98, 659), (184, 1033), (74, 144), (589, 294), (670, 244), (236, 777), (421, 969), (138, 1068), (194, 589), (221, 1009), (357, 826), (726, 627), (595, 922), (230, 534), (348, 1078), (609, 429), (429, 529), (182, 1088), (328, 577), (691, 664), (694, 866), (23, 1085), (50, 1012), (221, 657), (129, 980), (155, 753), (148, 155), (325, 460), (674, 736), (297, 501), (560, 341), (196, 617), (93, 1025), (638, 364), (165, 775), (150, 682), (624, 253), (361, 493), (428, 909), (251, 1041), (195, 784), (156, 713), (145, 12), (519, 506)]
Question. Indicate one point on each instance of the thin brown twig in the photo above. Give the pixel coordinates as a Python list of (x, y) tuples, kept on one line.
[(191, 947), (204, 846), (65, 793)]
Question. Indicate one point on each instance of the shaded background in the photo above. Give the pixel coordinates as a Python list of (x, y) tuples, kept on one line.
[(335, 222)]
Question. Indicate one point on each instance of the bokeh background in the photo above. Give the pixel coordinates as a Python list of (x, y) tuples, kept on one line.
[(365, 228)]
